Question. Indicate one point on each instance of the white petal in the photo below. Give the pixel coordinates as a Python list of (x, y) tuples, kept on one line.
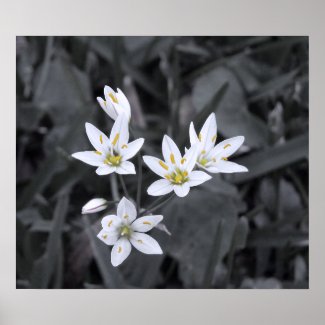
[(123, 101), (96, 137), (108, 90), (146, 223), (131, 148), (190, 158), (193, 136), (170, 151), (120, 132), (120, 251), (182, 190), (105, 170), (111, 222), (145, 243), (102, 103), (226, 147), (160, 187), (156, 165), (208, 132), (126, 167), (227, 167), (126, 210), (89, 157), (94, 205), (109, 238), (108, 108), (198, 177)]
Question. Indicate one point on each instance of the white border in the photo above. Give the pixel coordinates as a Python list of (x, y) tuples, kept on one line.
[(163, 17)]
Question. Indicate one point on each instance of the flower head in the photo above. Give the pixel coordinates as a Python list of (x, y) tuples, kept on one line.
[(115, 103), (94, 205), (124, 229), (176, 170), (213, 158), (111, 154)]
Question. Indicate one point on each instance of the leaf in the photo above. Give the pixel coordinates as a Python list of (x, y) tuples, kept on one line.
[(110, 275), (43, 269), (233, 117), (271, 159), (192, 222)]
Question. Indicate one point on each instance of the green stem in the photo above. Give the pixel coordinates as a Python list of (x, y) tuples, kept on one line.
[(114, 187), (139, 183), (126, 193), (157, 204)]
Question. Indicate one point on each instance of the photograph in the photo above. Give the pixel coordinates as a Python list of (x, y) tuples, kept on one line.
[(162, 162)]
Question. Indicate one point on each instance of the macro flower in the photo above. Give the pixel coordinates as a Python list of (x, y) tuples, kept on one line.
[(211, 158), (94, 205), (176, 170), (124, 229), (115, 103), (111, 154)]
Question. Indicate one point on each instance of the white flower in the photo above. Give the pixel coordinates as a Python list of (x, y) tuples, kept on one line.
[(176, 171), (94, 205), (213, 158), (111, 154), (115, 103), (124, 229)]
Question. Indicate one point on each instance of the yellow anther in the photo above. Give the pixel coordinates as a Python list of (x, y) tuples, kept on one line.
[(227, 145), (124, 146), (106, 161), (98, 153), (203, 152), (200, 137), (115, 139), (172, 158), (163, 165), (101, 139), (110, 223), (125, 216), (147, 223), (185, 173), (167, 177), (140, 241), (183, 161), (224, 158), (214, 138), (104, 236), (178, 178), (113, 98), (119, 250)]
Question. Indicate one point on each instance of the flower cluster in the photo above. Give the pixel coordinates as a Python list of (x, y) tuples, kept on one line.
[(179, 172)]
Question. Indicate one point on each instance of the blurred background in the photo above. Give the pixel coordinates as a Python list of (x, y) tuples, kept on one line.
[(246, 230)]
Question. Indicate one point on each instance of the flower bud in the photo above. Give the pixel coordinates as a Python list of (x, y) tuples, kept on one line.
[(94, 205)]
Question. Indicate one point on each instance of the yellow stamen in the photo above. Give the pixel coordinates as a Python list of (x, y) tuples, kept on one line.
[(167, 177), (140, 241), (98, 153), (147, 223), (203, 152), (227, 145), (101, 139), (104, 236), (124, 146), (183, 161), (178, 178), (214, 138), (115, 139), (125, 216), (172, 158), (119, 249), (224, 158), (163, 165), (200, 137), (113, 98), (106, 161), (110, 223), (185, 173)]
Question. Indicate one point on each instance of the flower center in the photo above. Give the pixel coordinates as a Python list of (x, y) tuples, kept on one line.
[(178, 177), (125, 231), (113, 160)]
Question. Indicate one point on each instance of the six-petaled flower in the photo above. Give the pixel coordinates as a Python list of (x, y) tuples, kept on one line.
[(123, 229), (111, 154)]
